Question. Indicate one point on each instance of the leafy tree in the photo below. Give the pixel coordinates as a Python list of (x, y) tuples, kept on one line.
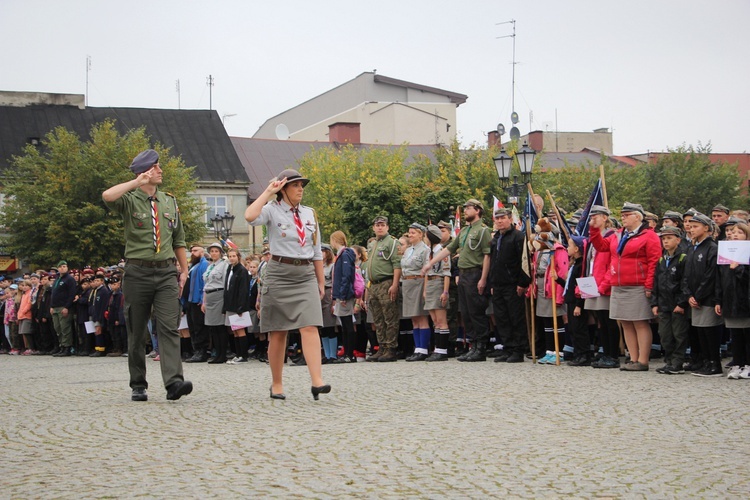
[(53, 205)]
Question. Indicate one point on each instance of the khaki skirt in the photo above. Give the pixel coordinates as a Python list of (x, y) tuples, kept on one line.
[(289, 298), (629, 303), (600, 303), (326, 307), (214, 303), (434, 292), (543, 304), (412, 300), (704, 316)]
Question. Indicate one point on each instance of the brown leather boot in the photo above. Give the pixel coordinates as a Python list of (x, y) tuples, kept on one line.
[(388, 355), (376, 356)]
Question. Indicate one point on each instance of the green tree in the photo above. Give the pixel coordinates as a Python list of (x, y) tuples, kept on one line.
[(53, 205)]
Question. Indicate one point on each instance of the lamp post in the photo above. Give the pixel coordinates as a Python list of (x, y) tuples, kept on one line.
[(222, 225), (524, 157)]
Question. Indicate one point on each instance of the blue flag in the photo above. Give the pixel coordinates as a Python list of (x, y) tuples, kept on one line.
[(529, 213), (596, 198)]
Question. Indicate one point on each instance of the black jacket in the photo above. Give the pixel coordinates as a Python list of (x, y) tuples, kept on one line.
[(116, 310), (237, 290), (98, 302), (64, 291), (505, 263), (668, 291), (732, 291), (572, 298), (699, 280)]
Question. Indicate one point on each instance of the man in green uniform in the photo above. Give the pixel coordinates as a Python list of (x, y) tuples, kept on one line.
[(473, 268), (384, 273), (154, 239)]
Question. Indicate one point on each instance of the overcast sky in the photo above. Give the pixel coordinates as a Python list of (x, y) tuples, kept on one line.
[(659, 73)]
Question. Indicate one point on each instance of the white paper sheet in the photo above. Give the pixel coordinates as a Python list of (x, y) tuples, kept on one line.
[(588, 287), (237, 322), (734, 251), (90, 328)]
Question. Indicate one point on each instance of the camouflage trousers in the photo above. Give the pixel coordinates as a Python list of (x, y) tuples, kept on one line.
[(385, 314)]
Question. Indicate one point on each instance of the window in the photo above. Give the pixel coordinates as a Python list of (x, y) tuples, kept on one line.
[(215, 205)]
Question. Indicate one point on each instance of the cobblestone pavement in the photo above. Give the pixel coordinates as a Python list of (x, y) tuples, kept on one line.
[(388, 430)]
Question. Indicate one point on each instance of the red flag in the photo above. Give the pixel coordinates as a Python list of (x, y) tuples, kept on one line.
[(457, 227)]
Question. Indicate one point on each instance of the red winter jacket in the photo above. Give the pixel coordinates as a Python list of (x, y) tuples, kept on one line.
[(601, 268), (637, 264)]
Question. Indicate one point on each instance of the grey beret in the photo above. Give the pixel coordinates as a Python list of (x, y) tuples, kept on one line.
[(703, 219), (144, 161), (599, 209), (434, 234), (632, 207)]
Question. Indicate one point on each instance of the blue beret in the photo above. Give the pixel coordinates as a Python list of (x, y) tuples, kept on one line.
[(144, 161)]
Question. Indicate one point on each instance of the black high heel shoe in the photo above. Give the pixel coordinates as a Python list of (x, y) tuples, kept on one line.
[(279, 395), (323, 389)]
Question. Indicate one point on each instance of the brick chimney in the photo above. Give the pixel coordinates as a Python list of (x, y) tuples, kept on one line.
[(493, 138), (536, 140), (343, 132)]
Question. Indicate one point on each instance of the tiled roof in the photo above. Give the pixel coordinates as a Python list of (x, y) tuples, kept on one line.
[(198, 136)]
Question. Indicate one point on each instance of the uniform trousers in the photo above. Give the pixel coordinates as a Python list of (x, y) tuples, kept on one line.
[(673, 330), (510, 318), (63, 326), (146, 288), (473, 306), (385, 314)]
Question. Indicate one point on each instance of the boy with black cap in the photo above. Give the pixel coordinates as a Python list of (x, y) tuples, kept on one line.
[(669, 301)]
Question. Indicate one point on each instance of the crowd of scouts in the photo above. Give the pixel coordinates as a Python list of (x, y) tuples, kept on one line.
[(431, 295)]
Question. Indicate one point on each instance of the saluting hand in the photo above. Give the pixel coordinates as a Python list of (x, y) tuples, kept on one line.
[(275, 186)]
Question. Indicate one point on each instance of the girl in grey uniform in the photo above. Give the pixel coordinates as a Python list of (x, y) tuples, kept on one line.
[(328, 332), (213, 302), (437, 284), (416, 255), (294, 283)]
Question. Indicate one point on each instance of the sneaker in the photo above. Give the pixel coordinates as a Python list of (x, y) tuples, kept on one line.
[(673, 370), (27, 352), (745, 373), (607, 362), (152, 354), (15, 352), (580, 360), (662, 369), (734, 373), (548, 359), (712, 369), (157, 358), (239, 360)]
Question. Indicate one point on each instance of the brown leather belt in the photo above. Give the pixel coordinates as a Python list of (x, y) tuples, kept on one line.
[(412, 277), (293, 262), (214, 290), (150, 263), (436, 277)]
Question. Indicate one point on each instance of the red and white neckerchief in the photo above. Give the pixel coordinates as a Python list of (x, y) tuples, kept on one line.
[(155, 221), (299, 226)]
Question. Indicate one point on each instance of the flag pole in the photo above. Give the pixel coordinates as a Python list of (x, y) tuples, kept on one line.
[(604, 186), (532, 310), (563, 225), (553, 277)]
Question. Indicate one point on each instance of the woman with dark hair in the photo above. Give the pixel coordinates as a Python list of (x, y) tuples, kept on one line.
[(213, 303), (294, 283), (237, 301), (634, 252)]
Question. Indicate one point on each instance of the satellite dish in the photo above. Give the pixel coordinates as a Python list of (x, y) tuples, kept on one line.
[(514, 117), (500, 128), (515, 134), (282, 132)]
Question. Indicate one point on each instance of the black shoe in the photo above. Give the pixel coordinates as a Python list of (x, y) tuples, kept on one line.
[(56, 350), (217, 361), (84, 353), (97, 354), (417, 356), (479, 354), (300, 362), (466, 354), (280, 395), (323, 389), (662, 370), (515, 357), (494, 353), (502, 357), (139, 394), (64, 353), (694, 366), (179, 389), (581, 360), (711, 369), (436, 356), (673, 370), (197, 358)]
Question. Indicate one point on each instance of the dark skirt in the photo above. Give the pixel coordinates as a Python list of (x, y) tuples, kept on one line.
[(289, 298)]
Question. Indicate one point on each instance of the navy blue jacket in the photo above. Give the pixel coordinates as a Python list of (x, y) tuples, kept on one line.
[(343, 275), (98, 302), (64, 291)]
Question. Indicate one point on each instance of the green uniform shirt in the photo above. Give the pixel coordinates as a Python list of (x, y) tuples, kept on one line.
[(474, 242), (135, 209), (383, 258)]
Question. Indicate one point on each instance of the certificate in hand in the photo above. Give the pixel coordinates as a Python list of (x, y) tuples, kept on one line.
[(588, 287), (734, 251)]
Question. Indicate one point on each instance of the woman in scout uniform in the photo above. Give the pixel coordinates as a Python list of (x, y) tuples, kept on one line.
[(213, 302), (437, 284), (294, 283), (415, 256)]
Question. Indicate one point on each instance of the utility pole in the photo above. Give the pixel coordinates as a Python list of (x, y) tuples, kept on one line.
[(513, 36), (210, 83), (177, 87), (88, 68)]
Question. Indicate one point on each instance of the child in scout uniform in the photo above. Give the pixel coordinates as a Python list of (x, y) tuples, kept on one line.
[(98, 301), (116, 319), (670, 303)]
